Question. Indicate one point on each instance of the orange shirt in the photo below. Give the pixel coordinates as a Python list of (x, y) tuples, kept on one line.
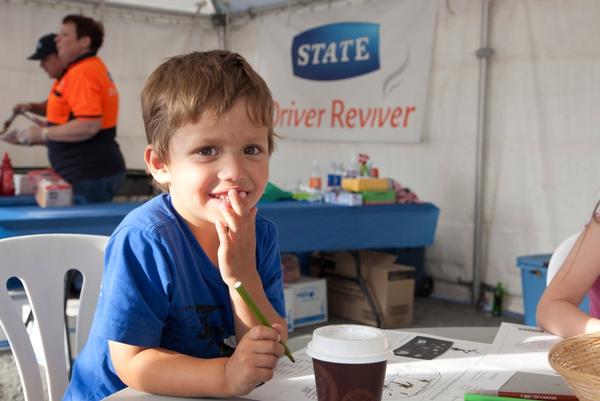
[(85, 91)]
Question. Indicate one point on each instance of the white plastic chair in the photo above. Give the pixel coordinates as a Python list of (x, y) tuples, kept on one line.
[(41, 263), (559, 256)]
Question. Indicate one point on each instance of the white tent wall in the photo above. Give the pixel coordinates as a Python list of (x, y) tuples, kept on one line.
[(541, 154), (540, 159), (135, 43), (541, 177)]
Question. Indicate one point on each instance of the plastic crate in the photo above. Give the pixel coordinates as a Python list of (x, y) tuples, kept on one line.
[(534, 269)]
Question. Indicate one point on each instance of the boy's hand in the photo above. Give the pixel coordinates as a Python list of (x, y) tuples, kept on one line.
[(254, 359), (237, 236)]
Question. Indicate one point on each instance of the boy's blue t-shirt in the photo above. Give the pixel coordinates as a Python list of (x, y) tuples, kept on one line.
[(160, 290)]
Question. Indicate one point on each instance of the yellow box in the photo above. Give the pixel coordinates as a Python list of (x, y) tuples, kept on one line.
[(365, 184)]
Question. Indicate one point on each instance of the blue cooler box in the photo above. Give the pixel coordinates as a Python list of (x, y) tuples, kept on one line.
[(533, 278)]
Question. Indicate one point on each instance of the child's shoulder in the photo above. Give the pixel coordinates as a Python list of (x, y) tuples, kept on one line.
[(264, 226), (155, 214)]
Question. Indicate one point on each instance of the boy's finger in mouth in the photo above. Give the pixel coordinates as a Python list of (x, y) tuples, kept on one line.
[(230, 196), (236, 199)]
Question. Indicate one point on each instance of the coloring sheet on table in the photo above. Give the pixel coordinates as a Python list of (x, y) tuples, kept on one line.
[(424, 368), (522, 348)]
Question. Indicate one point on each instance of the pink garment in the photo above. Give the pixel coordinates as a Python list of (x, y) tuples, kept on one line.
[(594, 297), (404, 195)]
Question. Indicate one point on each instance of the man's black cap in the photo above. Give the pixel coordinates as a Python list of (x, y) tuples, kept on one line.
[(45, 46)]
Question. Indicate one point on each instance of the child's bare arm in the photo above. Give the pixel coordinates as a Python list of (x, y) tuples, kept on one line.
[(558, 310), (161, 371), (244, 318), (237, 262)]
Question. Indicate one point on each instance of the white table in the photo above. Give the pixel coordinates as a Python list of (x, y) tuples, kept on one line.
[(479, 334)]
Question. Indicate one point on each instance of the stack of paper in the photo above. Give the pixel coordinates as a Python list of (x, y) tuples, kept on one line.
[(431, 368)]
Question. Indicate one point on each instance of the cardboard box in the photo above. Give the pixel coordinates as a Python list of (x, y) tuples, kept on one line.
[(310, 301), (288, 295), (378, 197), (51, 193), (365, 184), (392, 287)]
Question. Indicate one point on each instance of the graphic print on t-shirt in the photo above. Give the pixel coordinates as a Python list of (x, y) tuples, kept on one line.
[(197, 330)]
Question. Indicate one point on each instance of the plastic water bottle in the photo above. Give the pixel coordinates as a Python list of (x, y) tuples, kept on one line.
[(334, 177), (497, 303), (315, 177)]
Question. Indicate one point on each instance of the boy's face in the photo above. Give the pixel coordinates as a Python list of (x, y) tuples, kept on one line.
[(211, 157)]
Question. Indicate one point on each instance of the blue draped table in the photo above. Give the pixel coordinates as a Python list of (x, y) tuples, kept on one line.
[(307, 227), (303, 227)]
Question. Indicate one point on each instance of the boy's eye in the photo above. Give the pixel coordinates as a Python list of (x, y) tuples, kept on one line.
[(252, 150), (207, 151)]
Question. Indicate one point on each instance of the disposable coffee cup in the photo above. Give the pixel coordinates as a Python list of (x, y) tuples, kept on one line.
[(349, 362)]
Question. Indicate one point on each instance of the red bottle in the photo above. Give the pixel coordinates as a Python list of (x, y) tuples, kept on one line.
[(7, 182)]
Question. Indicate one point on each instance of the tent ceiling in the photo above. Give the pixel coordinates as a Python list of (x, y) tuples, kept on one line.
[(204, 7)]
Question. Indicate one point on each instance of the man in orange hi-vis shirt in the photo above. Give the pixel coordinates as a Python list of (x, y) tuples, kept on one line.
[(81, 112)]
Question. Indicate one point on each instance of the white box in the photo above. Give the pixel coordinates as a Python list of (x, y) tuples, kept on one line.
[(343, 198), (288, 294), (310, 301), (54, 193), (23, 185)]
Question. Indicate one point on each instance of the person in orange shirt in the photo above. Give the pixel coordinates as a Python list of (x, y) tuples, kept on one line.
[(46, 53), (81, 112)]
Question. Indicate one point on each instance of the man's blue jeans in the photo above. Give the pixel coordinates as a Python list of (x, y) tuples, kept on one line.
[(99, 189)]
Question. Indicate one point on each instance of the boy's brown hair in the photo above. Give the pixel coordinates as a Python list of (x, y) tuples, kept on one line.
[(181, 89)]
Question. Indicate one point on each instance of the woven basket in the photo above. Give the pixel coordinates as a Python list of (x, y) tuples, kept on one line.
[(577, 360)]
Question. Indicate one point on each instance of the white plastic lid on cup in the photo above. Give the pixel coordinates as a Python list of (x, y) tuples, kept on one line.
[(349, 343)]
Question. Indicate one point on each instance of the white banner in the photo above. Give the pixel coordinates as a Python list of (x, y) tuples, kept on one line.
[(355, 73)]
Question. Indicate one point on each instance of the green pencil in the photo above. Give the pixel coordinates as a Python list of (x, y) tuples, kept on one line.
[(487, 397), (257, 312)]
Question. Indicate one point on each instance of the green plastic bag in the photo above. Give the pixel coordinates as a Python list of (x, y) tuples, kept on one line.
[(273, 193)]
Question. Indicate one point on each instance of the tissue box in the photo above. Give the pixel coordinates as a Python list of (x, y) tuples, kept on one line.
[(52, 193), (343, 198)]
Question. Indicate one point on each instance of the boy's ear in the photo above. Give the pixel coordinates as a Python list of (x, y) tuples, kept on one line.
[(158, 168)]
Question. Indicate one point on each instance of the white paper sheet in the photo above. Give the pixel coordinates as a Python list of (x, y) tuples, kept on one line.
[(521, 348), (446, 377)]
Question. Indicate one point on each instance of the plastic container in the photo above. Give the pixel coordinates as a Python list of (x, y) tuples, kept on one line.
[(7, 183), (315, 177), (534, 269), (334, 177)]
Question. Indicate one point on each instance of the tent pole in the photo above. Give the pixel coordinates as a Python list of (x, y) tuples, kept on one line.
[(483, 53), (227, 31)]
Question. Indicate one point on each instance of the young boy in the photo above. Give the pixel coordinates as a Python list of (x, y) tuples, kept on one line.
[(168, 317)]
